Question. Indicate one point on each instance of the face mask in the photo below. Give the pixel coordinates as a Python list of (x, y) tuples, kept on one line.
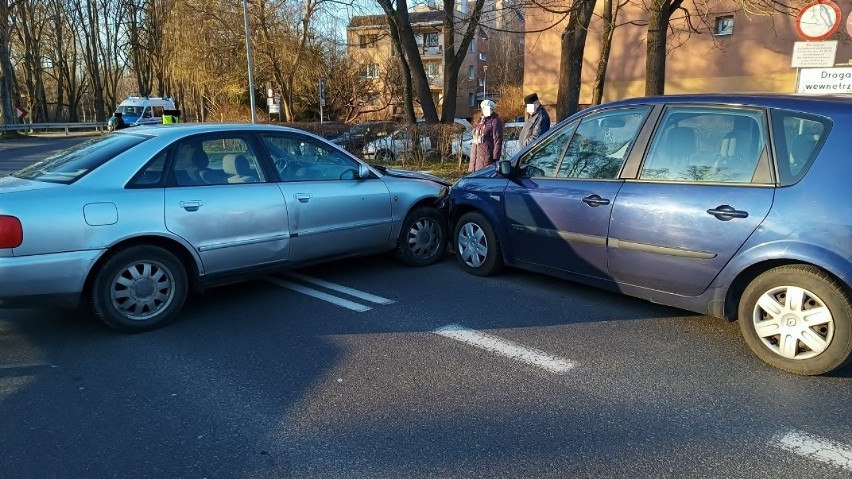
[(486, 111), (530, 108)]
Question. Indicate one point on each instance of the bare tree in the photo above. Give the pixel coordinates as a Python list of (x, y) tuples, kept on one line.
[(453, 58), (87, 18), (659, 16), (399, 18), (146, 21), (609, 18), (30, 21), (571, 62), (7, 72)]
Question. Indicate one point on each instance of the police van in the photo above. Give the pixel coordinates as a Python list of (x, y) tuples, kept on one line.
[(140, 110)]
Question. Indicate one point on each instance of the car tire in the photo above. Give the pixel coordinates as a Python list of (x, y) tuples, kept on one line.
[(139, 289), (799, 319), (476, 245), (384, 156), (423, 238)]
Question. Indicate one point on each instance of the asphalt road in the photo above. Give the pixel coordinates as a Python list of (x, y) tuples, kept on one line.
[(18, 153), (396, 372)]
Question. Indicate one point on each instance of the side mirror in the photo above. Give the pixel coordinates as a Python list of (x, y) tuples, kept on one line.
[(504, 167), (363, 172)]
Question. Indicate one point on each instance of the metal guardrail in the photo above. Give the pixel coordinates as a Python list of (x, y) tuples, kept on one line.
[(38, 127)]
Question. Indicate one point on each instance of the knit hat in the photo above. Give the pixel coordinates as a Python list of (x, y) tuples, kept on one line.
[(488, 103), (531, 98)]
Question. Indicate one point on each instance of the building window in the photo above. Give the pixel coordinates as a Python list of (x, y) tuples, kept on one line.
[(430, 39), (433, 69), (471, 99), (471, 72), (472, 47), (370, 70), (724, 25), (367, 41), (482, 56)]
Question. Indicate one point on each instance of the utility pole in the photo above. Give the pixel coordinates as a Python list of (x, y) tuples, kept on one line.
[(484, 81), (250, 66)]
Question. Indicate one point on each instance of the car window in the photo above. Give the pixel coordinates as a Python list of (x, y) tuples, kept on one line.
[(224, 159), (707, 144), (300, 158), (543, 160), (600, 145), (152, 174), (798, 138)]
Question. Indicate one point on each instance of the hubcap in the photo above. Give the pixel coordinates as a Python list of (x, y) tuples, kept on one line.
[(473, 245), (793, 322), (142, 290), (424, 238)]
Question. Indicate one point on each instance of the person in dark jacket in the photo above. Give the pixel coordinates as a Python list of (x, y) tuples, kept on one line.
[(537, 123), (487, 143)]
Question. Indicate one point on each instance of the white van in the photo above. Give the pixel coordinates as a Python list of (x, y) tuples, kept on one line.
[(141, 110)]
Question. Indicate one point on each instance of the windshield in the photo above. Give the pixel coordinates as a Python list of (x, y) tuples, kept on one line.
[(130, 111), (67, 166)]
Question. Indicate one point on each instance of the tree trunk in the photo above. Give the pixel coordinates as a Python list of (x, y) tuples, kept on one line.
[(408, 44), (571, 63), (7, 73), (659, 15), (407, 87), (453, 58), (609, 16)]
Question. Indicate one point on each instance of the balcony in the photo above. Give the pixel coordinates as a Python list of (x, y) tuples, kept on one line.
[(436, 81), (431, 51)]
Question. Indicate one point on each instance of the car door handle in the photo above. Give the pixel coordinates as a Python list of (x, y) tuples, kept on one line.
[(595, 200), (191, 205), (727, 213), (302, 197)]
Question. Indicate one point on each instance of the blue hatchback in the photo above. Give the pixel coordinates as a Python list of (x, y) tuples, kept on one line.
[(735, 206)]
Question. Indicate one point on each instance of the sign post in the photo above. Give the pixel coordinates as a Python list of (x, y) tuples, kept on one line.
[(815, 22)]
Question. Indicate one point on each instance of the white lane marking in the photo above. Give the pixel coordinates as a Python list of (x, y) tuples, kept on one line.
[(816, 448), (320, 295), (343, 289), (506, 348)]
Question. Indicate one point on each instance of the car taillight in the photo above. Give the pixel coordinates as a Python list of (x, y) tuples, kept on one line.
[(11, 232)]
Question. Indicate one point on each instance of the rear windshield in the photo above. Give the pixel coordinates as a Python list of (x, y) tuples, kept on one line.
[(67, 166)]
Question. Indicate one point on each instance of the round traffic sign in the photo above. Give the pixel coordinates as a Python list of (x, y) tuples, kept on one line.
[(849, 24), (818, 20)]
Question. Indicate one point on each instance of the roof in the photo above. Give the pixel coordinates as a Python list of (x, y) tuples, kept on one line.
[(768, 100), (428, 17)]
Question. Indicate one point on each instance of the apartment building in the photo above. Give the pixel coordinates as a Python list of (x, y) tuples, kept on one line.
[(371, 48), (732, 51)]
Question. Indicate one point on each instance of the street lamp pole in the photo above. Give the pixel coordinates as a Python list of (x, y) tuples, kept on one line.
[(484, 80), (250, 66)]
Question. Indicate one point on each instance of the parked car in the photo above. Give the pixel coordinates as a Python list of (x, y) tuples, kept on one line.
[(401, 142), (354, 139), (511, 134), (132, 221), (736, 206)]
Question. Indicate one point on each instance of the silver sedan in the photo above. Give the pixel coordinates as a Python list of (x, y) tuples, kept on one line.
[(132, 221)]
